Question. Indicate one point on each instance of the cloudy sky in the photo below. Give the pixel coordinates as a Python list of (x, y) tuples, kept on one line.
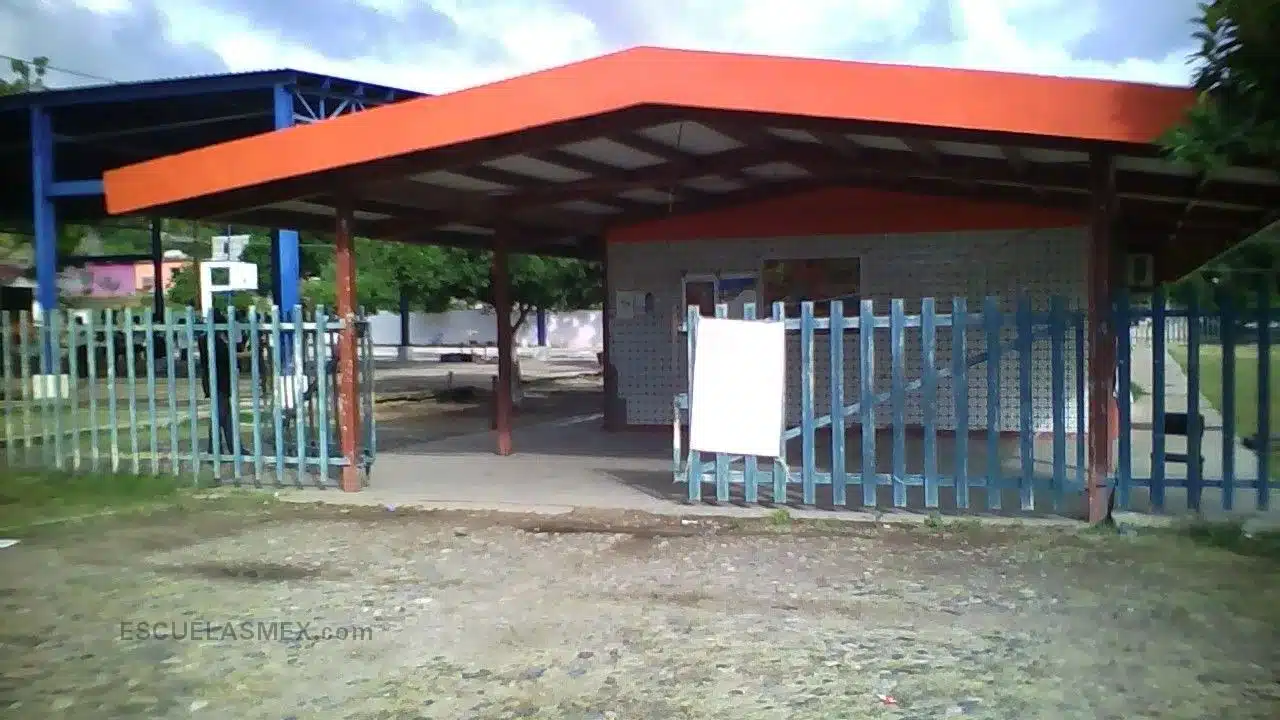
[(443, 45)]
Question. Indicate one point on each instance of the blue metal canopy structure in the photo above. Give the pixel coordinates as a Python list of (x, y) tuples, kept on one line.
[(56, 144)]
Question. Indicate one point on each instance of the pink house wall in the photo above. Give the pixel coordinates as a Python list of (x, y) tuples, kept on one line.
[(145, 274), (120, 279)]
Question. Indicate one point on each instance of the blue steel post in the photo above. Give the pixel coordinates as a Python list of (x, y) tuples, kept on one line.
[(284, 243), (45, 221), (542, 327)]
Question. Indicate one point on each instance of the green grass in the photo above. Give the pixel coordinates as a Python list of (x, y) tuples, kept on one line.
[(32, 497), (1233, 538), (1247, 393)]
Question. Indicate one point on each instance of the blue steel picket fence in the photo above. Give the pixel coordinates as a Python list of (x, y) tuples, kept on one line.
[(1232, 334), (121, 391), (1043, 466)]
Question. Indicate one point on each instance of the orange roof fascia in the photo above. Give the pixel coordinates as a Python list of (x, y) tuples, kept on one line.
[(1072, 108)]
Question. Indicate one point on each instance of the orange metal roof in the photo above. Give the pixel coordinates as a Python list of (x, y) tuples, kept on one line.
[(1086, 110)]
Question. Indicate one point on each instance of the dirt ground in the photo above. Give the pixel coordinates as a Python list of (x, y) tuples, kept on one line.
[(388, 615)]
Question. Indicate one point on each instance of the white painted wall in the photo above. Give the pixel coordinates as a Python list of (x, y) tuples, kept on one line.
[(577, 330), (649, 353)]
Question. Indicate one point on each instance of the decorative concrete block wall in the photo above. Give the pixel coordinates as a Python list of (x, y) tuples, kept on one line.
[(649, 352)]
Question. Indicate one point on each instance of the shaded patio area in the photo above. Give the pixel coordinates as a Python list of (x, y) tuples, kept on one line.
[(573, 463)]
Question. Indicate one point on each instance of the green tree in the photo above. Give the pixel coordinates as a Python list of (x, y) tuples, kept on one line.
[(184, 290), (1236, 118), (315, 253), (26, 76), (1234, 121), (384, 270), (537, 282)]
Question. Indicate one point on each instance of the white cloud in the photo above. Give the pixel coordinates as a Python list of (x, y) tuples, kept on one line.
[(500, 38)]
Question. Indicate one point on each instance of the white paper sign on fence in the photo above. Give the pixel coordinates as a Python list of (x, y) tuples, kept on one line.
[(739, 381)]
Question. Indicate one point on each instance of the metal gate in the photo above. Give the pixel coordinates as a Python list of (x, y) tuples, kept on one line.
[(987, 408), (1016, 377)]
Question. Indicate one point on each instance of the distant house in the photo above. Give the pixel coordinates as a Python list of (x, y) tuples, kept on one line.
[(120, 280)]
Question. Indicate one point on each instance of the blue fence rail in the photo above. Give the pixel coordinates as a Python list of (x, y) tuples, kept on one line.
[(980, 408), (248, 398)]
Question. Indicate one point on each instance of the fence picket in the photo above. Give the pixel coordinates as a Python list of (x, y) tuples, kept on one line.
[(73, 394), (1058, 370), (255, 379), (52, 383), (1194, 429), (297, 390), (751, 479), (210, 362), (898, 401), (781, 474), (1158, 400), (1124, 457), (322, 393), (10, 434), (992, 322), (867, 380), (808, 439), (171, 384), (960, 397), (694, 480), (1264, 384), (192, 404), (91, 355), (277, 400), (24, 374), (148, 319), (835, 343), (1080, 405), (1026, 423), (131, 377), (1228, 339), (929, 398), (233, 422), (42, 391), (113, 422)]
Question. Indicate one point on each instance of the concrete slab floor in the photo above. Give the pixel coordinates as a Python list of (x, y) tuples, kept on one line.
[(569, 464)]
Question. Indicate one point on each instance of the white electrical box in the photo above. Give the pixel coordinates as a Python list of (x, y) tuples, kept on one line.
[(218, 276)]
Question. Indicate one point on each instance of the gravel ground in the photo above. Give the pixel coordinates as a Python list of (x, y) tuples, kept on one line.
[(451, 616)]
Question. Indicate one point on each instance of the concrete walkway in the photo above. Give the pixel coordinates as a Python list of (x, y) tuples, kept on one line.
[(570, 464)]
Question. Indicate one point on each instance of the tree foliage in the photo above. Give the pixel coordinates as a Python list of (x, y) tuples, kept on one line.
[(1236, 118), (25, 76), (434, 278)]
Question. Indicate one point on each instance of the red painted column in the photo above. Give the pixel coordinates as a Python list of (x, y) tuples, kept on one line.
[(348, 399), (1102, 336), (501, 279)]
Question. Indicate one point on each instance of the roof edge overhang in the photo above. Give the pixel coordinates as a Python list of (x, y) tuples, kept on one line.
[(1103, 113)]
